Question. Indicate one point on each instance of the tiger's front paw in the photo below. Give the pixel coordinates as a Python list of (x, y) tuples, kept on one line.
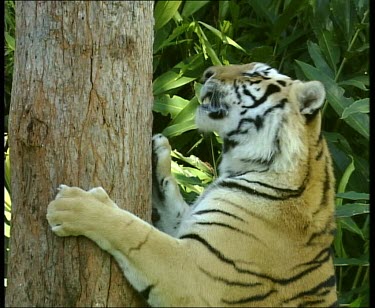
[(75, 211), (161, 156)]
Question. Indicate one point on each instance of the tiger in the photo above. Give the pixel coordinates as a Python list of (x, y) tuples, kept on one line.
[(260, 234)]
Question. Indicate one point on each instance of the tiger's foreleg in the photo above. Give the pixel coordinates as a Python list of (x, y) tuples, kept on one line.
[(144, 253), (167, 202)]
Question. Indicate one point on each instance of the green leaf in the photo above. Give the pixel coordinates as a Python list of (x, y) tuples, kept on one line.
[(225, 39), (359, 106), (207, 49), (6, 230), (165, 105), (162, 39), (10, 42), (355, 82), (345, 179), (262, 11), (317, 57), (329, 47), (343, 13), (349, 224), (164, 12), (352, 195), (193, 161), (350, 261), (168, 81), (7, 170), (191, 7), (283, 20), (352, 209), (178, 129), (186, 114), (7, 204)]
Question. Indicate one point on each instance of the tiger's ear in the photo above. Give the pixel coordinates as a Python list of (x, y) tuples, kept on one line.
[(311, 96)]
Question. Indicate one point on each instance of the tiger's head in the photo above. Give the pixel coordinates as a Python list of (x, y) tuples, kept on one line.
[(263, 117)]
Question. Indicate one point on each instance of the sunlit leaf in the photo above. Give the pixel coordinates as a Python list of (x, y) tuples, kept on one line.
[(225, 39), (10, 42), (165, 104), (194, 161), (178, 129), (164, 12), (168, 81), (187, 113)]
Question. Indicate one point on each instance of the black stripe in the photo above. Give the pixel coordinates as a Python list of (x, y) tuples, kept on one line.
[(310, 303), (258, 120), (252, 214), (253, 192), (236, 89), (259, 161), (146, 292), (220, 224), (250, 299), (230, 282), (323, 232), (219, 255), (328, 283), (299, 190), (229, 144), (319, 155), (326, 185), (326, 188), (216, 252), (217, 211), (281, 82), (316, 260), (271, 89), (279, 105)]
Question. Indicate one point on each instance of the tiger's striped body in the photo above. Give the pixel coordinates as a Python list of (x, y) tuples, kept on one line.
[(260, 235)]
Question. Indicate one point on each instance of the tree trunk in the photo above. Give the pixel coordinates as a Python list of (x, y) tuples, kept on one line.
[(81, 114)]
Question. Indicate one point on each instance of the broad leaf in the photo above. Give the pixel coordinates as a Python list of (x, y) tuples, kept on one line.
[(165, 105), (350, 261), (178, 129), (360, 106), (168, 81), (352, 209), (164, 12), (319, 61), (352, 195), (190, 7)]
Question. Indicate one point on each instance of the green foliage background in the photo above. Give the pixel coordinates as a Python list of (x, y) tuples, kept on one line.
[(326, 40)]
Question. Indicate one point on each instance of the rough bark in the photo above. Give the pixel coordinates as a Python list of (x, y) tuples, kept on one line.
[(81, 114)]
